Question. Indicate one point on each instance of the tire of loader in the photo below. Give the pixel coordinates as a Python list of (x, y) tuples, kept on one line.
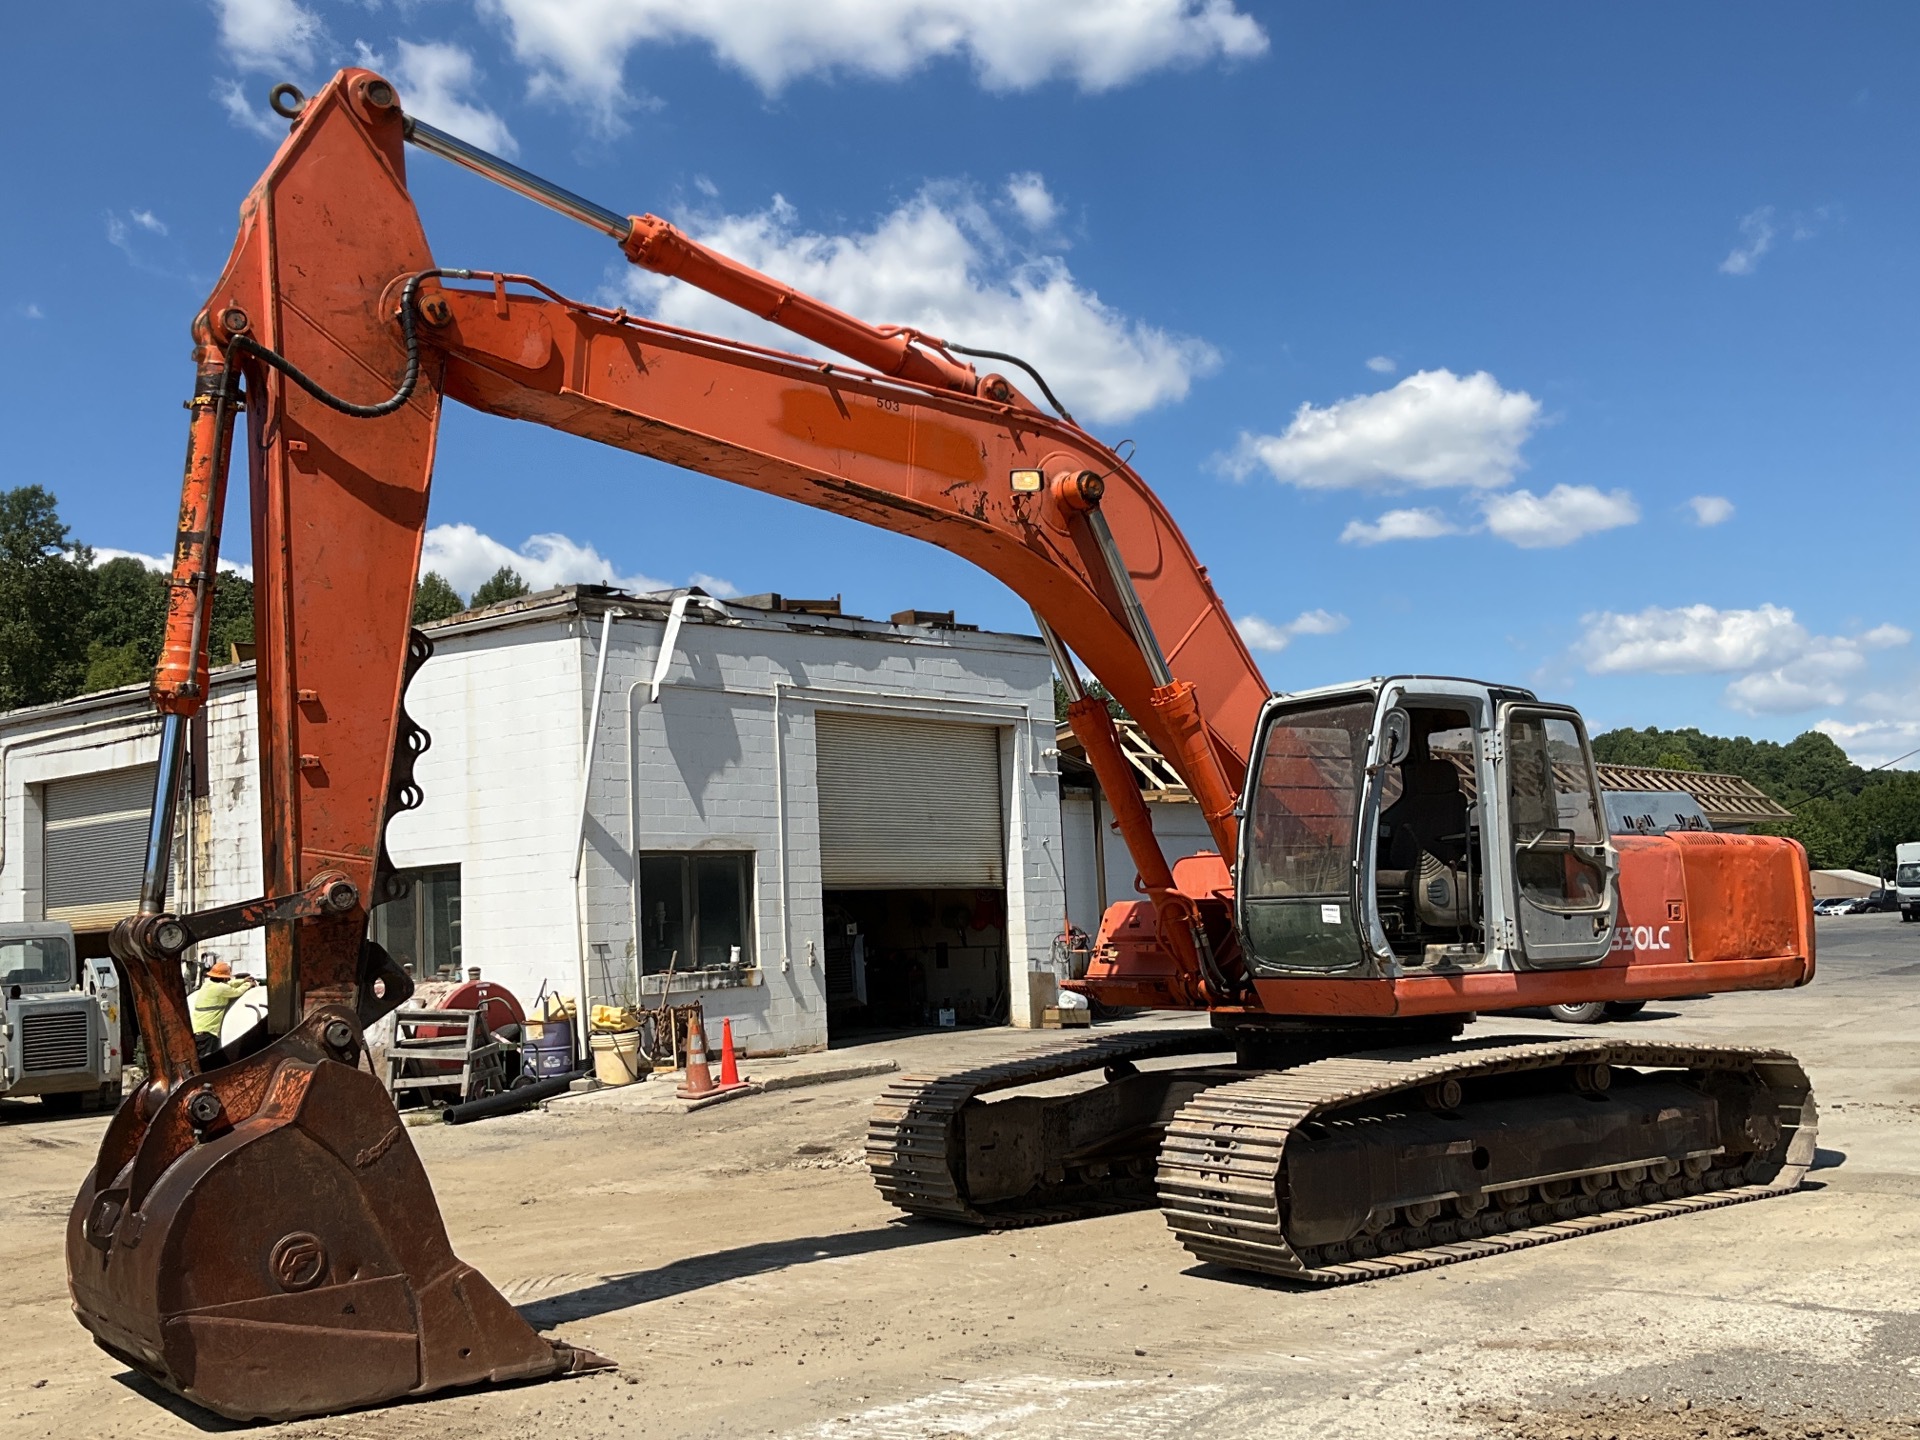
[(266, 1244)]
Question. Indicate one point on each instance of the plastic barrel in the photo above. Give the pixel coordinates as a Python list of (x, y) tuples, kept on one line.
[(547, 1048)]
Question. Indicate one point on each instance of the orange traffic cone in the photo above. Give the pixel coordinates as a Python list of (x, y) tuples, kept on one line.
[(699, 1080), (700, 1091)]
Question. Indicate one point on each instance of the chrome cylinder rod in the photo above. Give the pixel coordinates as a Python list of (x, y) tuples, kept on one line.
[(157, 871), (1137, 622), (505, 172), (1062, 660)]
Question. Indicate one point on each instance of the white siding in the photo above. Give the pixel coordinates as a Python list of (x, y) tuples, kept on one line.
[(707, 766), (500, 786), (118, 731), (724, 760)]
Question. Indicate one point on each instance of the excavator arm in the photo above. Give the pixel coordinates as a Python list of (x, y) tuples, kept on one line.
[(336, 337), (346, 336)]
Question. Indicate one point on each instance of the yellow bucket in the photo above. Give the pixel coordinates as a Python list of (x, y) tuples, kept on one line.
[(617, 1059)]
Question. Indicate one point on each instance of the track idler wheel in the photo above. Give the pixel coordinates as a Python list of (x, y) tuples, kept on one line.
[(263, 1241)]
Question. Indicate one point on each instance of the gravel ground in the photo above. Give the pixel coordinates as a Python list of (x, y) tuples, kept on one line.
[(739, 1267)]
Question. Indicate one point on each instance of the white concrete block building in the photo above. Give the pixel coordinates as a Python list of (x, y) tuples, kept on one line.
[(816, 823)]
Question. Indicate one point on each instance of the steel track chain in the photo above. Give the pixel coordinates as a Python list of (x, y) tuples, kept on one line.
[(1221, 1164), (913, 1140)]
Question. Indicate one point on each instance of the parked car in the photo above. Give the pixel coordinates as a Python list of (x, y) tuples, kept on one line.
[(1834, 904), (1880, 901), (1594, 1011)]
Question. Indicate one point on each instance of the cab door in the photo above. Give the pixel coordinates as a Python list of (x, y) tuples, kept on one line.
[(1562, 869)]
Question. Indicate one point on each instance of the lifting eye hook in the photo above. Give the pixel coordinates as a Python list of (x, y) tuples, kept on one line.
[(286, 101)]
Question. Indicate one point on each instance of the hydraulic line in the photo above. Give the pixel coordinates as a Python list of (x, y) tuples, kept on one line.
[(409, 379), (1038, 378)]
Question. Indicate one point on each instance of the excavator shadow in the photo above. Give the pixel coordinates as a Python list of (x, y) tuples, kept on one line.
[(678, 1277), (208, 1423), (204, 1421), (1252, 1280), (618, 1292)]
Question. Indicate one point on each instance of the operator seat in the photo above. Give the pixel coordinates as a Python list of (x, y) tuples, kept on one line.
[(1430, 816)]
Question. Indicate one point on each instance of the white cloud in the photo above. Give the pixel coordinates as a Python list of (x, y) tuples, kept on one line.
[(1029, 196), (1711, 509), (1265, 635), (434, 80), (1881, 726), (578, 48), (1398, 525), (1808, 223), (121, 238), (939, 264), (147, 220), (1882, 637), (466, 558), (1812, 680), (1561, 516), (1383, 365), (269, 35), (1691, 640), (245, 113), (1433, 430), (1885, 739), (1756, 238), (32, 312), (103, 553), (1779, 666)]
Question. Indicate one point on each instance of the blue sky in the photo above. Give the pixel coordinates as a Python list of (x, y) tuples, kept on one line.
[(1566, 348)]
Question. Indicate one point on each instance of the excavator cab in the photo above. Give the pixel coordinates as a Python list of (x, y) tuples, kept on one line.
[(1422, 825)]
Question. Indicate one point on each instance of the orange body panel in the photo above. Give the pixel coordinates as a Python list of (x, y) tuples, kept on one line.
[(1699, 913)]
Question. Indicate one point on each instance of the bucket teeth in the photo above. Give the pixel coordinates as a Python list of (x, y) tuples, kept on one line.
[(286, 1258)]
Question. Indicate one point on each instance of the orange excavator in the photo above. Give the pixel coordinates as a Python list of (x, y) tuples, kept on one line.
[(1393, 855)]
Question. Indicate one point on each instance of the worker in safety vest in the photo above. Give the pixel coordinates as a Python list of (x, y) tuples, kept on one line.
[(210, 1003)]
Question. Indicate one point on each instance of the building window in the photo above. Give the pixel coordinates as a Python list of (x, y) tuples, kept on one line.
[(695, 911), (421, 930)]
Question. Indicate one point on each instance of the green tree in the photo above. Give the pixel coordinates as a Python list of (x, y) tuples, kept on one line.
[(1094, 689), (46, 589), (129, 607), (111, 666), (504, 584), (232, 622), (435, 599), (124, 624)]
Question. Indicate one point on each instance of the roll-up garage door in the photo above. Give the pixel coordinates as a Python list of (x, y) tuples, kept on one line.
[(94, 845), (908, 804)]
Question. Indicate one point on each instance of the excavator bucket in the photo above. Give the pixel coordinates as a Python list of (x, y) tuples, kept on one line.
[(265, 1243)]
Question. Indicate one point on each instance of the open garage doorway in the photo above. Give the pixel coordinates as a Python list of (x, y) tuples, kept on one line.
[(913, 846), (909, 959)]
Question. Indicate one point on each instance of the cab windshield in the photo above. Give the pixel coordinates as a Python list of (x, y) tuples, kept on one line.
[(1305, 808), (1908, 876), (43, 960)]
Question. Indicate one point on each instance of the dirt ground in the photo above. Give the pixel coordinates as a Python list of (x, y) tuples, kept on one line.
[(740, 1268)]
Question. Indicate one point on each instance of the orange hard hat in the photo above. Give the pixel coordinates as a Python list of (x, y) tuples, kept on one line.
[(220, 970)]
